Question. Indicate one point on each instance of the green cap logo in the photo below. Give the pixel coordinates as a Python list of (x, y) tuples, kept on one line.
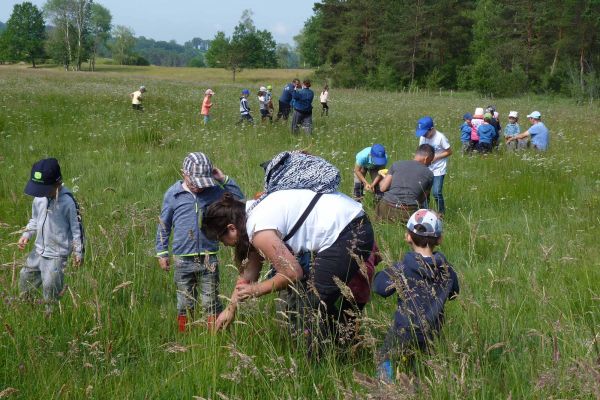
[(37, 175)]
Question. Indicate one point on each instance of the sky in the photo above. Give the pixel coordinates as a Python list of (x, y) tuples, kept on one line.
[(182, 20)]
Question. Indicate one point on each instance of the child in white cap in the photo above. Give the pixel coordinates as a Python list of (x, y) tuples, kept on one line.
[(263, 104), (513, 129), (425, 280), (476, 120)]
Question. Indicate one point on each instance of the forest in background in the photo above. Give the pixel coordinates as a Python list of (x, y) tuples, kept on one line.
[(495, 47)]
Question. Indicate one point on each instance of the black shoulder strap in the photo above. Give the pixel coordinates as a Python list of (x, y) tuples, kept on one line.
[(80, 220), (303, 217)]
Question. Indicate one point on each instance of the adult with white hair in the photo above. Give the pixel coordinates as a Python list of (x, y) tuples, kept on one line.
[(539, 134)]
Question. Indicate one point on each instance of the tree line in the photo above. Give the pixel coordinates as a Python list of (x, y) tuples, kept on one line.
[(80, 31), (496, 47)]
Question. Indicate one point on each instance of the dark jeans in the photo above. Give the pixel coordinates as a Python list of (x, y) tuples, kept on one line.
[(246, 118), (473, 144), (302, 118), (436, 191), (284, 110), (485, 147), (137, 107), (325, 109)]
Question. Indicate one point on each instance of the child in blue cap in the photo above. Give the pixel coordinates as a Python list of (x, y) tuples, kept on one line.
[(369, 160), (428, 134), (245, 108), (424, 280)]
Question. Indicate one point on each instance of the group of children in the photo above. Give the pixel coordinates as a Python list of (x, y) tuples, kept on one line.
[(480, 132), (57, 225), (265, 103)]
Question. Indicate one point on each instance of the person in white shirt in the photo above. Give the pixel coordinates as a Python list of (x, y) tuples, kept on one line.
[(136, 98), (261, 232), (427, 134), (323, 98)]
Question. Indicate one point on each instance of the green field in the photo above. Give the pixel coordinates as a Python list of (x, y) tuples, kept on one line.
[(520, 230)]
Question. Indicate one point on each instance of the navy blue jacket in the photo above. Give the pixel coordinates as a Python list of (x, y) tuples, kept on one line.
[(286, 95), (424, 284), (182, 213), (303, 99)]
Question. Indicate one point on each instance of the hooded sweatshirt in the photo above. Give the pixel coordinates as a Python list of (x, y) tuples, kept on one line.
[(244, 107), (424, 284), (56, 223)]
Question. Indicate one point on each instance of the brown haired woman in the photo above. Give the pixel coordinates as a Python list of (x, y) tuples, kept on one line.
[(336, 230)]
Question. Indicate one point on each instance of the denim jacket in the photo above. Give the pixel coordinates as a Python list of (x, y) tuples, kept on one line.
[(181, 214), (303, 100)]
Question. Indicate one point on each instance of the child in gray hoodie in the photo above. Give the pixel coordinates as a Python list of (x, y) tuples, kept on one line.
[(56, 223)]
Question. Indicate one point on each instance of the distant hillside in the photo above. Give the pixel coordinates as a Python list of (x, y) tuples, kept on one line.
[(171, 54), (2, 26)]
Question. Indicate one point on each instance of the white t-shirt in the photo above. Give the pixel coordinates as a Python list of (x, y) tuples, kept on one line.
[(439, 142), (282, 209), (262, 103), (137, 97), (324, 96)]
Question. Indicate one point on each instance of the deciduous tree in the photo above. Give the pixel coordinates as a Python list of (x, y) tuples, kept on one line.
[(24, 36)]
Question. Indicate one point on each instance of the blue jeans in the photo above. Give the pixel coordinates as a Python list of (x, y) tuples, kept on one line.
[(197, 276), (436, 191)]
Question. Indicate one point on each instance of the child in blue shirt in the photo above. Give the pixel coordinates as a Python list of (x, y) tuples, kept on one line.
[(195, 256), (425, 280), (513, 129), (486, 132), (465, 133)]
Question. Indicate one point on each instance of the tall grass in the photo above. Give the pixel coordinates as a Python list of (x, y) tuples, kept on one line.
[(520, 230)]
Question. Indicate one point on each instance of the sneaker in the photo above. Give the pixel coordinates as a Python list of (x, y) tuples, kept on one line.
[(385, 372)]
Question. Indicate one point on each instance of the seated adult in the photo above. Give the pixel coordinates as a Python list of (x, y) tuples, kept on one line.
[(337, 231), (538, 132), (406, 186)]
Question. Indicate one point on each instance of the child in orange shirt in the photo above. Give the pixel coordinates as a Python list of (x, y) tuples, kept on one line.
[(206, 105)]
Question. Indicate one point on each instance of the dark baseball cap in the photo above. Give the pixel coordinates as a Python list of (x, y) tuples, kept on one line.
[(44, 175)]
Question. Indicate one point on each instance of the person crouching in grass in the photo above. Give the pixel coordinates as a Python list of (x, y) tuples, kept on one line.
[(425, 280), (196, 263)]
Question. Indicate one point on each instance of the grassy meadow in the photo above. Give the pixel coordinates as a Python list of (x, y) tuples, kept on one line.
[(520, 230)]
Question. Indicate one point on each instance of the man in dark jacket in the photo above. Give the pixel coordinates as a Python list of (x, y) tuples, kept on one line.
[(286, 99)]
